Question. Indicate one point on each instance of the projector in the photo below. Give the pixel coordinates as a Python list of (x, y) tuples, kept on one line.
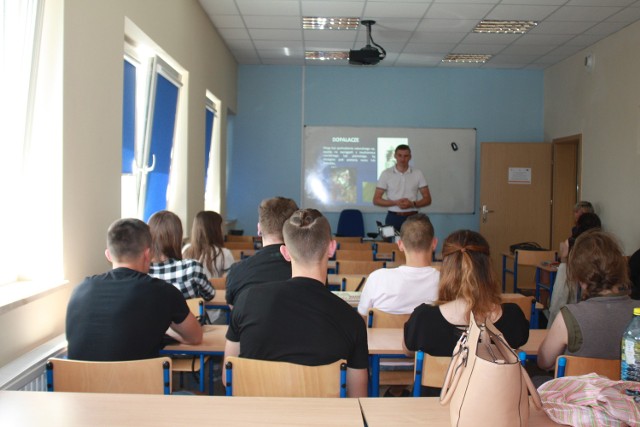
[(368, 55)]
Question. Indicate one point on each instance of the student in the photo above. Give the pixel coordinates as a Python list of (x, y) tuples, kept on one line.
[(299, 320), (593, 327), (267, 264), (207, 244), (124, 314), (166, 258), (400, 290), (467, 284)]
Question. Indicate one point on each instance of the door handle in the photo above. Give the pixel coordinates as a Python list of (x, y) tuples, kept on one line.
[(485, 211)]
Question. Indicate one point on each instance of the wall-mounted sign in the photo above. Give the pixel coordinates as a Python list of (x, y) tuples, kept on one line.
[(520, 176)]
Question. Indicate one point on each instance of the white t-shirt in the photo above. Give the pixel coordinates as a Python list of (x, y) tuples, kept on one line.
[(399, 290), (400, 185)]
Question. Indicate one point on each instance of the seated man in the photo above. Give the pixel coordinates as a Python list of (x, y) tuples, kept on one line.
[(299, 320), (124, 314), (400, 290), (267, 265)]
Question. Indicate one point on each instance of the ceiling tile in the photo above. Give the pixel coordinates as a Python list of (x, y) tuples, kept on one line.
[(580, 13), (458, 11), (269, 7)]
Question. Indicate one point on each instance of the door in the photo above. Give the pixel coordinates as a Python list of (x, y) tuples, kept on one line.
[(566, 186), (515, 198)]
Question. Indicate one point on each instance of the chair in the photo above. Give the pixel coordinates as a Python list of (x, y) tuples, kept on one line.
[(395, 370), (219, 283), (250, 377), (574, 365), (526, 303), (430, 371), (526, 258), (350, 223), (353, 282), (240, 254), (356, 246), (234, 238), (147, 376), (358, 267), (354, 255), (240, 245), (345, 239), (386, 247), (193, 364)]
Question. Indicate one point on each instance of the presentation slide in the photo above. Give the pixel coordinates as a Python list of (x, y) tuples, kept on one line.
[(342, 165)]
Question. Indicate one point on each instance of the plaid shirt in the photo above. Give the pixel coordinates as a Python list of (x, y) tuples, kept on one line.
[(187, 275)]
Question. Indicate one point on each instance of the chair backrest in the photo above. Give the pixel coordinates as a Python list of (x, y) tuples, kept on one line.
[(351, 282), (574, 365), (236, 238), (429, 371), (347, 239), (356, 246), (358, 267), (196, 307), (240, 254), (382, 319), (350, 223), (239, 245), (533, 258), (148, 376), (524, 302), (354, 255), (387, 247), (219, 283), (250, 377)]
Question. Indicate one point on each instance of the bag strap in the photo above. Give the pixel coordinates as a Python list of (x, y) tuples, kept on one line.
[(454, 372), (532, 389)]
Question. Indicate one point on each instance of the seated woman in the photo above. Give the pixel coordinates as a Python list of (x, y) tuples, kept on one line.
[(207, 244), (467, 284), (593, 327), (563, 292), (166, 259)]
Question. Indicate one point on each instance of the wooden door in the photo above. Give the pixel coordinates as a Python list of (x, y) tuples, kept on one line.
[(514, 208), (566, 186)]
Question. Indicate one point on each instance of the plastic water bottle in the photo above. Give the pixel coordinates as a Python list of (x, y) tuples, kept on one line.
[(630, 363)]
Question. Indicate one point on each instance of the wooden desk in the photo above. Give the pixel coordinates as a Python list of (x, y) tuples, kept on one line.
[(213, 342), (536, 336), (31, 409), (383, 342), (423, 411)]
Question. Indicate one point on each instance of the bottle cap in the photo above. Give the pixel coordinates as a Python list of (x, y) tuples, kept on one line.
[(636, 311)]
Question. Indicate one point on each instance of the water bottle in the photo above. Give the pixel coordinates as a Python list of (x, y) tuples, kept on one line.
[(630, 363)]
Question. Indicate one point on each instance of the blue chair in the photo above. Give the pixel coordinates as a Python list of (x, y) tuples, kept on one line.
[(147, 376), (350, 223), (264, 378)]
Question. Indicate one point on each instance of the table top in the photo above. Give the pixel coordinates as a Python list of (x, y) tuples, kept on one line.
[(385, 340), (213, 340), (26, 409), (422, 411), (219, 299), (536, 336)]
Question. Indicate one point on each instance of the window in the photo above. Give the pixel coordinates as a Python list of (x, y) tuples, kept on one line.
[(212, 163), (150, 108)]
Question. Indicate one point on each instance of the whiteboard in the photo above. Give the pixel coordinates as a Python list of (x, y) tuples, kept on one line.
[(341, 166)]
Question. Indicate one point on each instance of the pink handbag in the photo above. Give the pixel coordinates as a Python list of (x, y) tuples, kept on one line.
[(485, 383)]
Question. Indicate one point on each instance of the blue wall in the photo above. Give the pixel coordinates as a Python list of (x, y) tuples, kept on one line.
[(274, 102)]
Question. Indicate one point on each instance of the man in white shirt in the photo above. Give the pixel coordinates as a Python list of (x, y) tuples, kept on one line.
[(405, 187), (399, 290)]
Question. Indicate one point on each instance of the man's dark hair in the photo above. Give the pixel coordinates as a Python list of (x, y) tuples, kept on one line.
[(417, 233), (307, 235), (127, 238), (402, 147)]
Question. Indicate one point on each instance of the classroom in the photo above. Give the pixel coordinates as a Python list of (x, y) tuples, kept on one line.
[(261, 110)]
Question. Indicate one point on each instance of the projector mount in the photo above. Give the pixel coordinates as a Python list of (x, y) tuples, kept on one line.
[(368, 55)]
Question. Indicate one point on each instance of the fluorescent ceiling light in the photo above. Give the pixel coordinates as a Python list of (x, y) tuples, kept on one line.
[(319, 55), (504, 27), (466, 58), (318, 23)]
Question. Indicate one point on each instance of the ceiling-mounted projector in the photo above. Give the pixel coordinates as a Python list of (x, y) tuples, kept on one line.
[(371, 54)]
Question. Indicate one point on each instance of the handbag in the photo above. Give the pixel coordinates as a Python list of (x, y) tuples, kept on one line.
[(485, 382)]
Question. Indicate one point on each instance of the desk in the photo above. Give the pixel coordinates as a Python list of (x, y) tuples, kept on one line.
[(383, 342), (31, 409), (219, 302), (213, 342), (423, 411)]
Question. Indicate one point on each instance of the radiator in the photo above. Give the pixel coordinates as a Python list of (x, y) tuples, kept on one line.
[(27, 372)]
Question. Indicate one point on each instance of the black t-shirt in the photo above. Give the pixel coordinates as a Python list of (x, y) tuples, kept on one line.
[(298, 321), (429, 331), (121, 315), (266, 265)]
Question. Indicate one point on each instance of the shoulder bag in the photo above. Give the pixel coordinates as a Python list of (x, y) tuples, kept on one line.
[(485, 384)]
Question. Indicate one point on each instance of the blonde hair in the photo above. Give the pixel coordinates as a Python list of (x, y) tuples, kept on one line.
[(467, 273)]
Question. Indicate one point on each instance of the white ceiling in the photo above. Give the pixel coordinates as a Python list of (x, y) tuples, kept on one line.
[(418, 33)]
